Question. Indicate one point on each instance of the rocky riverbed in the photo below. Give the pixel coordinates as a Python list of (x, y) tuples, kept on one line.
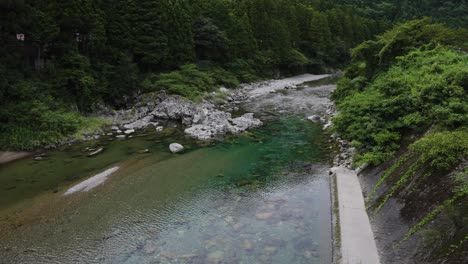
[(259, 197), (205, 120)]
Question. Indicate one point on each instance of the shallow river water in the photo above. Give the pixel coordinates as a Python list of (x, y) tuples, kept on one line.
[(260, 197)]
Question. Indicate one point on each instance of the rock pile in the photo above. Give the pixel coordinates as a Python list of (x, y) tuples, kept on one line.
[(347, 152), (204, 121)]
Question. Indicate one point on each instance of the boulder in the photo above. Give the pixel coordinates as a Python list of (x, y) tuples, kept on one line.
[(315, 118), (245, 122), (176, 147), (129, 131), (140, 123)]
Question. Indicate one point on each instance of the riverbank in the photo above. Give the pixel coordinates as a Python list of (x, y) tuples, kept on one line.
[(9, 156), (257, 197), (206, 120)]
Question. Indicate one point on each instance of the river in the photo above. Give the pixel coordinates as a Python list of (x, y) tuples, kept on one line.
[(259, 197)]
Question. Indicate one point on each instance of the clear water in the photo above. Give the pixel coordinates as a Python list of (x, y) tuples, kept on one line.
[(262, 197)]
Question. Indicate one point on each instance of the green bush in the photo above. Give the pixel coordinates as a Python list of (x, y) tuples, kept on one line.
[(40, 128), (188, 81), (423, 88), (442, 150), (191, 80)]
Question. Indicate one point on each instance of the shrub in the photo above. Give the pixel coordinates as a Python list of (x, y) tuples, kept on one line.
[(442, 150), (423, 88), (191, 80)]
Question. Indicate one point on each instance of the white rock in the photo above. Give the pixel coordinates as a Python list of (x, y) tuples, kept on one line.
[(96, 152), (176, 147), (224, 90), (159, 128), (92, 182), (129, 131)]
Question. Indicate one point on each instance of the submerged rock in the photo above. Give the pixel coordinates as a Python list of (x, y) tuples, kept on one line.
[(149, 247), (247, 245), (215, 257), (176, 148), (264, 216), (92, 182), (96, 152)]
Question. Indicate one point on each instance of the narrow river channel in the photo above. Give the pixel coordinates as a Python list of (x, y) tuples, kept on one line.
[(259, 197)]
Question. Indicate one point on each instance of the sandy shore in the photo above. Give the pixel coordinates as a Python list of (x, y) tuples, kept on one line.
[(8, 156)]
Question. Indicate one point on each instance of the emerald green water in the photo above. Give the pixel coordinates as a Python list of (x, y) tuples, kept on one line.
[(261, 197)]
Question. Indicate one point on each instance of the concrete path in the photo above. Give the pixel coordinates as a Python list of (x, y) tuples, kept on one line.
[(357, 240)]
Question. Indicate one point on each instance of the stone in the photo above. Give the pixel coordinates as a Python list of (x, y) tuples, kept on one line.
[(203, 121), (264, 216), (245, 122), (96, 152), (188, 256), (247, 245), (215, 257), (315, 118), (129, 131), (237, 226), (143, 151), (176, 148), (120, 136), (224, 90), (149, 247), (159, 128), (141, 123), (270, 249)]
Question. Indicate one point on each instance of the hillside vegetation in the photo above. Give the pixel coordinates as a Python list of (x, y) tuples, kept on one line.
[(412, 78), (403, 103), (451, 12), (62, 59)]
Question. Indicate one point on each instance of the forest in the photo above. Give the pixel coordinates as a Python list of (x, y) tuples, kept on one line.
[(62, 61)]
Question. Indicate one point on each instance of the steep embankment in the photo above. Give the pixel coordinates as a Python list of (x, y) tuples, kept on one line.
[(403, 105)]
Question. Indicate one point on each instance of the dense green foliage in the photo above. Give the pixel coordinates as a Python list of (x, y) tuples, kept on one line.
[(452, 12), (407, 81), (77, 55), (73, 56)]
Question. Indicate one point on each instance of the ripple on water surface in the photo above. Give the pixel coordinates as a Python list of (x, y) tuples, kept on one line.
[(259, 198)]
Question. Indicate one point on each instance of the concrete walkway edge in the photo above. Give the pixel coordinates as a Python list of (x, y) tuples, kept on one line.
[(357, 240)]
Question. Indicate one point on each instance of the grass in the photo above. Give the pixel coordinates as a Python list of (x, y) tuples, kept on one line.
[(89, 126)]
